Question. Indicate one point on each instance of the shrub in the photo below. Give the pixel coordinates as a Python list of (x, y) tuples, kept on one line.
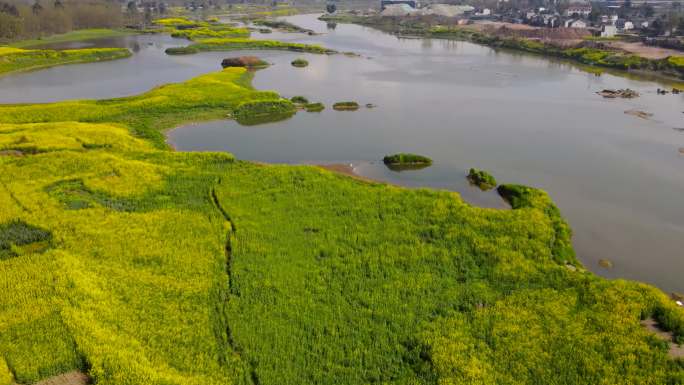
[(299, 63), (262, 111), (346, 106), (299, 100), (481, 179), (314, 107), (406, 159), (181, 50)]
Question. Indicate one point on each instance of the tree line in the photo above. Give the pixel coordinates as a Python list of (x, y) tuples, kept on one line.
[(47, 17)]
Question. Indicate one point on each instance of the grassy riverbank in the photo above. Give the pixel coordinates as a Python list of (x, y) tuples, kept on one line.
[(584, 53), (141, 265), (671, 66), (79, 35), (17, 60)]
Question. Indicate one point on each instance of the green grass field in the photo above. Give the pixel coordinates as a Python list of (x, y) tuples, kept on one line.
[(78, 35), (141, 265), (19, 60)]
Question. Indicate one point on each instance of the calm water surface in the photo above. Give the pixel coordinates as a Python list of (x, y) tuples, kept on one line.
[(618, 179)]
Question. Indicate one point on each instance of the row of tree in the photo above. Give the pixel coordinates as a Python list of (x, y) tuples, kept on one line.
[(57, 16), (45, 17)]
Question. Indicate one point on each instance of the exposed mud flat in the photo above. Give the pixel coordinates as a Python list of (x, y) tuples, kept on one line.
[(639, 114)]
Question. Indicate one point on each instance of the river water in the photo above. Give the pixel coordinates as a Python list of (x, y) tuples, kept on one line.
[(618, 178)]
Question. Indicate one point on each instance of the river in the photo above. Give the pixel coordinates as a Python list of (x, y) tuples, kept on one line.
[(617, 178)]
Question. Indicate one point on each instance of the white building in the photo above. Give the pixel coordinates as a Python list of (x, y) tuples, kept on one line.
[(578, 9), (575, 24), (628, 25), (608, 31)]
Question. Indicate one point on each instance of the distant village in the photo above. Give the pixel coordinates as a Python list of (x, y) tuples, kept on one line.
[(660, 22)]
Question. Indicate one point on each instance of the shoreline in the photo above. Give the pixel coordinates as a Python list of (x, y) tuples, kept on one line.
[(348, 170), (667, 73)]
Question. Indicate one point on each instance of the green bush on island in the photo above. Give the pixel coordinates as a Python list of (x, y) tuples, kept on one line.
[(189, 50), (16, 59), (346, 106), (406, 161), (406, 158), (299, 100), (263, 111), (314, 107), (482, 179), (299, 63)]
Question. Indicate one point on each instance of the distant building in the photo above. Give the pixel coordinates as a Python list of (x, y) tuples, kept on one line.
[(551, 21), (608, 31), (578, 9), (384, 3), (624, 25), (575, 24)]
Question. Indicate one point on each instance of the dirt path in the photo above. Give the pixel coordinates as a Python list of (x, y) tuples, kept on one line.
[(647, 51), (70, 378), (676, 351)]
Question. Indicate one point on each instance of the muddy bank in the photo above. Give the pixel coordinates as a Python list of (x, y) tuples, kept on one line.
[(676, 351), (348, 170), (70, 378)]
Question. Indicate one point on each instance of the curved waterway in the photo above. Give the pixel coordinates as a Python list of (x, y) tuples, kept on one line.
[(618, 178)]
